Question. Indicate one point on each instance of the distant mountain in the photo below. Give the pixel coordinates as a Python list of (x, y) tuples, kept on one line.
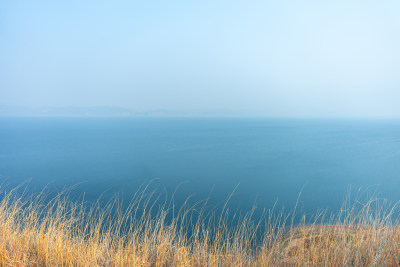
[(102, 111), (64, 111)]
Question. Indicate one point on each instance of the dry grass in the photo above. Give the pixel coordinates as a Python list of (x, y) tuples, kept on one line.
[(35, 232)]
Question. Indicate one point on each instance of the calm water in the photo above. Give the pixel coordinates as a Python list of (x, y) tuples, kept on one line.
[(270, 160)]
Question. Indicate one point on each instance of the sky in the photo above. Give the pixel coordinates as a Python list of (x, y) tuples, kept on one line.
[(263, 58)]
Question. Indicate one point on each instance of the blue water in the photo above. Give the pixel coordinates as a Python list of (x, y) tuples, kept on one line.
[(270, 160)]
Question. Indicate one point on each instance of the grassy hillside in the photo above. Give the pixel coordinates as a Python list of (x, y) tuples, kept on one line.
[(34, 232)]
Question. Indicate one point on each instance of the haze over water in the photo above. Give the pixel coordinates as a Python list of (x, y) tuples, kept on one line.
[(308, 91)]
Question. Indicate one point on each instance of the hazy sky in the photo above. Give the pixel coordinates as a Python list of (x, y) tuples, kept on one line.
[(270, 58)]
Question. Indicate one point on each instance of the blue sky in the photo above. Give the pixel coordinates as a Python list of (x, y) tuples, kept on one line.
[(265, 58)]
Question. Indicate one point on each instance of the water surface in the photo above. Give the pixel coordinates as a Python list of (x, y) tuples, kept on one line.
[(271, 160)]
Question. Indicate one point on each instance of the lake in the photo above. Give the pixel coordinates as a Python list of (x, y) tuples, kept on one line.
[(268, 160)]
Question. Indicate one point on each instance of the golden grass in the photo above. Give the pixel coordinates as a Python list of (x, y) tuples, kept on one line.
[(59, 232)]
